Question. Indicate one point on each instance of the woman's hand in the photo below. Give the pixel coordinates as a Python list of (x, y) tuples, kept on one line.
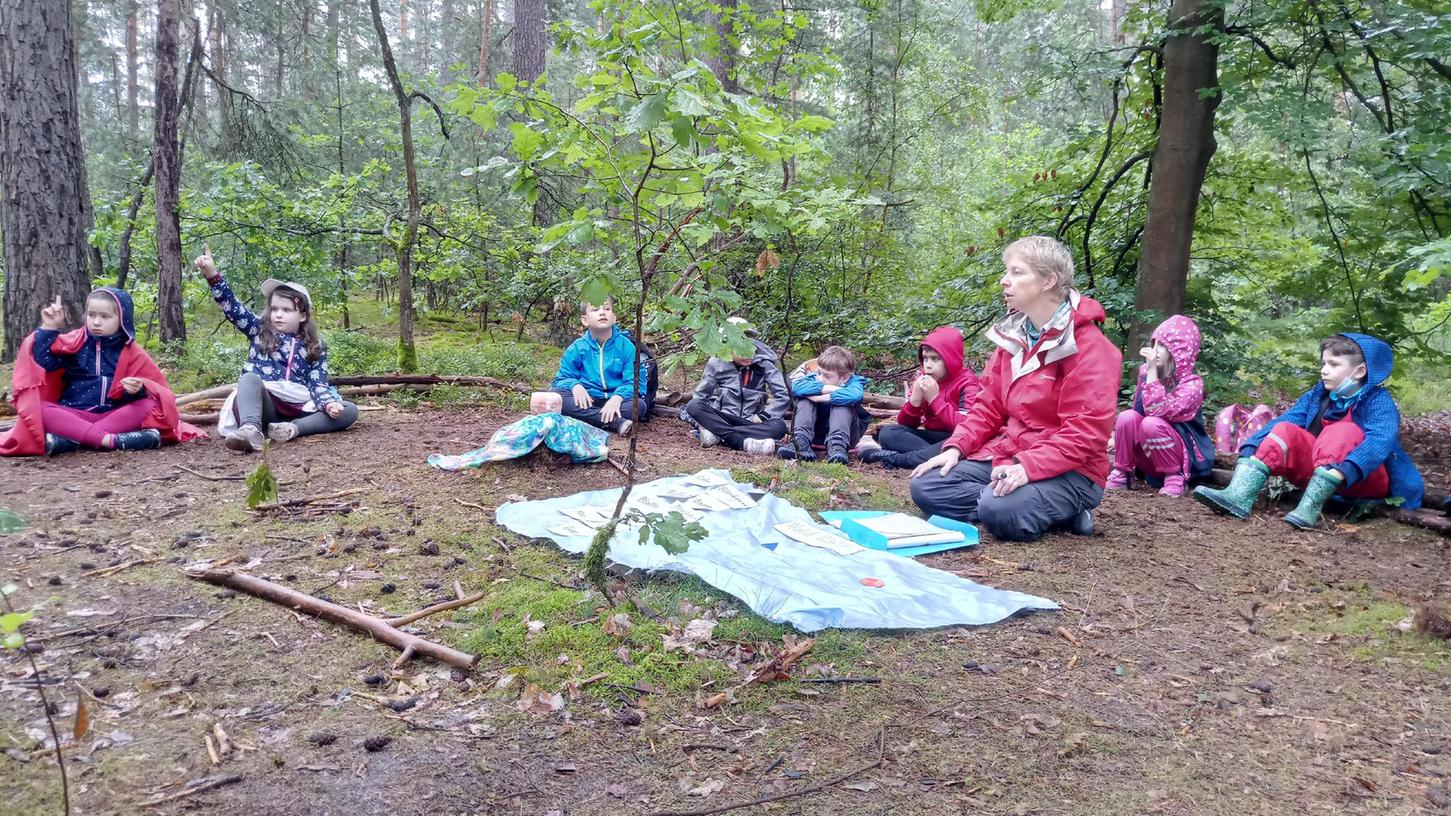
[(52, 317), (1007, 478), (132, 385), (333, 409), (944, 461)]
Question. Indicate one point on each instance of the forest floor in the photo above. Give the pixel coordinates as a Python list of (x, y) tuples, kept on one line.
[(1199, 665)]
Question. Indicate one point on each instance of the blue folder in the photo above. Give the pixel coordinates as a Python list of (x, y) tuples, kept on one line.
[(969, 532)]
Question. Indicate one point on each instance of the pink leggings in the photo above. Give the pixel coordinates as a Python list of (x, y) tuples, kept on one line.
[(90, 428), (1149, 444)]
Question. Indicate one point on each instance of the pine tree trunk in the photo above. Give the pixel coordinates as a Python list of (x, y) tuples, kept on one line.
[(482, 77), (722, 58), (407, 356), (43, 199), (447, 41), (219, 70), (168, 175), (133, 85), (529, 53), (1186, 143)]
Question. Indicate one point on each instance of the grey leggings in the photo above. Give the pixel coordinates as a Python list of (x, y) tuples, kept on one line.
[(1023, 515), (255, 406)]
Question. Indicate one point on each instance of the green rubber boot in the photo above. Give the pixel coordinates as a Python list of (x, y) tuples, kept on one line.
[(1321, 487), (1238, 499)]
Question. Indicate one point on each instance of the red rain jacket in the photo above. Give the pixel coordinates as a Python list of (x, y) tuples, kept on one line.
[(1052, 406), (955, 394), (34, 385)]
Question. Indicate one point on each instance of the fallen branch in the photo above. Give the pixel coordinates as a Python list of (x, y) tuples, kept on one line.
[(311, 499), (105, 571), (429, 379), (871, 681), (210, 477), (381, 630), (436, 608), (835, 780), (220, 392), (194, 788)]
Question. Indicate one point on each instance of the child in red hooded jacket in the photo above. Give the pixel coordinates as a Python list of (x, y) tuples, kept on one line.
[(941, 393)]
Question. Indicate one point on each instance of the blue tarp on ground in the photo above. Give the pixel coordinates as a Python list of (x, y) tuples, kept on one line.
[(780, 579)]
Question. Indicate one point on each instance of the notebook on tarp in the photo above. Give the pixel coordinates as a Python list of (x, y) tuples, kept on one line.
[(875, 539)]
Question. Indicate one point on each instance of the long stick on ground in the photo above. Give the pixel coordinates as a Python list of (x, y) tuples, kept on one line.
[(380, 629), (436, 608)]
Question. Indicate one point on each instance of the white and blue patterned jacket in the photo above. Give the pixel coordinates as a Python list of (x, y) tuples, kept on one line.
[(288, 363)]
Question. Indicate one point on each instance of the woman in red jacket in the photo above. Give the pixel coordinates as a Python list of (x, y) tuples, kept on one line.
[(1032, 454)]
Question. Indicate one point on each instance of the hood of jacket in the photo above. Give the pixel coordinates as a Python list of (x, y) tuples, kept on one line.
[(1379, 359), (1180, 335), (124, 306)]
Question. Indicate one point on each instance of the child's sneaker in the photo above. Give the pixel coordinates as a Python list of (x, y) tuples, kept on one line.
[(759, 446), (55, 444), (788, 450), (282, 431), (1119, 480), (148, 439), (836, 456), (1173, 486), (707, 439), (867, 443), (624, 427), (246, 439)]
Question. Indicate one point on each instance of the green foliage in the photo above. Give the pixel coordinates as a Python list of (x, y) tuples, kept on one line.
[(261, 483), (670, 531)]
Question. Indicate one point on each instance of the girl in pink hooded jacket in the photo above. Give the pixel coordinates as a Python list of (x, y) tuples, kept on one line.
[(1162, 436)]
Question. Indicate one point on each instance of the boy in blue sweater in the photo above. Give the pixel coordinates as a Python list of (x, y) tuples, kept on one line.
[(828, 395), (1342, 437), (596, 378)]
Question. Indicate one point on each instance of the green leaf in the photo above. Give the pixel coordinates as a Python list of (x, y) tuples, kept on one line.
[(690, 104), (506, 82), (526, 141), (261, 486), (682, 129), (595, 290), (13, 641), (814, 124), (646, 114), (10, 621)]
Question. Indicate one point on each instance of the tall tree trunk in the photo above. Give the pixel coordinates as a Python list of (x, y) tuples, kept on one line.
[(167, 159), (133, 85), (219, 70), (529, 53), (482, 77), (407, 356), (309, 89), (447, 41), (722, 58), (1186, 143), (529, 42), (341, 256), (43, 196)]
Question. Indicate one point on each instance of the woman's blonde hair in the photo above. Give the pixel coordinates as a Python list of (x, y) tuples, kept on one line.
[(1047, 257)]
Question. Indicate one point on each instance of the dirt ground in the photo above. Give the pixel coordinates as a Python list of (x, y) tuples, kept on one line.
[(1199, 666)]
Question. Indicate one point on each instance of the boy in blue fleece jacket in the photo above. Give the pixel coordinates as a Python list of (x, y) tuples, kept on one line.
[(596, 378), (827, 388), (1342, 437)]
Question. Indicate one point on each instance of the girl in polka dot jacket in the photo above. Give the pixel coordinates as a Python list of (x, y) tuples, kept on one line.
[(284, 391)]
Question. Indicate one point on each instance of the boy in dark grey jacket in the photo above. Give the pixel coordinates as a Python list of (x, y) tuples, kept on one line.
[(741, 402)]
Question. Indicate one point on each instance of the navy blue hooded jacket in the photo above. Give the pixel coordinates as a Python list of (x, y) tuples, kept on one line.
[(90, 371), (1375, 412)]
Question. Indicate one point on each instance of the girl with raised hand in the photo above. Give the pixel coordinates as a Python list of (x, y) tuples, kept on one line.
[(284, 391), (92, 387)]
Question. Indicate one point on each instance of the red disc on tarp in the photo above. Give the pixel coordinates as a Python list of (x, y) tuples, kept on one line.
[(873, 582)]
